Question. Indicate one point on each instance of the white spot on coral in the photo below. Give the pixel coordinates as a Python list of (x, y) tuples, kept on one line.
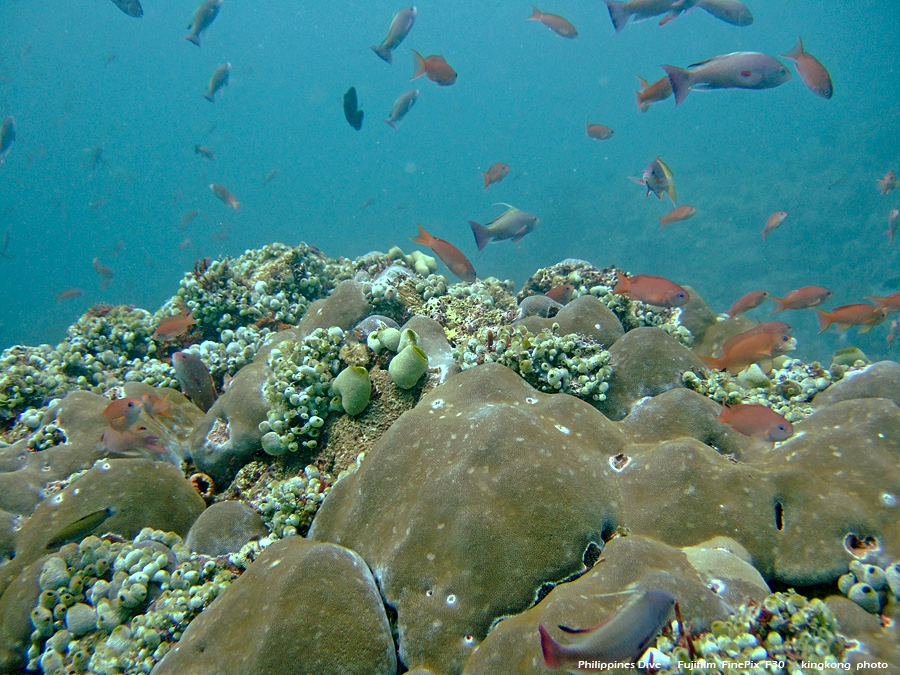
[(532, 401), (437, 403), (429, 593), (619, 462), (561, 428), (597, 326), (274, 563), (58, 499), (76, 491), (451, 599), (469, 639), (105, 466), (717, 586), (430, 557), (888, 499)]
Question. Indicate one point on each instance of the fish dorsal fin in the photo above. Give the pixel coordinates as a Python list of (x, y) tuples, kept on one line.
[(566, 629), (510, 207), (439, 58), (715, 58)]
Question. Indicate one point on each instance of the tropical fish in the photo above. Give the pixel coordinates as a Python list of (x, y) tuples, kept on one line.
[(893, 331), (599, 131), (202, 19), (187, 217), (218, 80), (621, 638), (652, 93), (79, 529), (857, 314), (802, 298), (400, 27), (105, 273), (435, 68), (676, 215), (128, 444), (402, 106), (813, 73), (270, 176), (511, 224), (7, 136), (773, 221), (658, 179), (731, 11), (123, 413), (224, 195), (204, 152), (195, 380), (740, 70), (757, 421), (352, 112), (68, 294), (655, 291), (757, 348), (555, 23), (561, 294), (155, 405), (773, 327), (130, 7), (495, 174), (887, 184), (451, 256), (171, 327), (889, 302), (893, 219), (621, 12), (745, 303)]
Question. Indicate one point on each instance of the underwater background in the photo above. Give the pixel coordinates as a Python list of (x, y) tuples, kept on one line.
[(80, 77)]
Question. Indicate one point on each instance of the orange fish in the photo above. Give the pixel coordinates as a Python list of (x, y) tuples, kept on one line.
[(435, 68), (756, 421), (857, 314), (654, 291), (68, 294), (775, 220), (451, 256), (773, 327), (172, 326), (652, 93), (561, 294), (599, 131), (105, 273), (555, 23), (745, 303), (893, 219), (677, 214), (154, 405), (123, 413), (128, 444), (888, 183), (495, 174), (802, 298), (224, 195), (813, 73), (757, 348), (889, 302)]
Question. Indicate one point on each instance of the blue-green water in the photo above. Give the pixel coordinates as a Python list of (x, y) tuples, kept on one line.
[(81, 75)]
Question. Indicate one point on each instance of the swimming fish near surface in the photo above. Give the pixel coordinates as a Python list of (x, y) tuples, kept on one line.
[(730, 11), (745, 303), (218, 80), (495, 174), (171, 327), (451, 256), (7, 136), (352, 112), (658, 179), (224, 195), (599, 131), (652, 93), (204, 152), (893, 219), (402, 106), (400, 27), (676, 215), (814, 75), (204, 16), (655, 291), (773, 221), (757, 421), (621, 638), (79, 529), (885, 185), (640, 10), (435, 68), (195, 380), (511, 224), (130, 7), (740, 70), (557, 24)]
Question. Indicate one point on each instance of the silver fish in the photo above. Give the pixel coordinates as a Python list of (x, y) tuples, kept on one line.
[(7, 136), (640, 10), (130, 7), (730, 11), (740, 70), (511, 224), (400, 27), (402, 106), (203, 17), (218, 80), (194, 378)]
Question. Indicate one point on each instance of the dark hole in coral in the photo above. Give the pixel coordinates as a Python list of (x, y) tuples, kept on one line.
[(779, 515), (591, 554), (859, 547), (543, 591)]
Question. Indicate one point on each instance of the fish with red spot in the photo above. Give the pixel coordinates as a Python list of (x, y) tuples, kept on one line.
[(773, 221), (495, 174), (676, 215), (557, 24), (801, 298), (123, 413), (857, 314), (757, 421), (451, 256), (745, 303), (435, 68), (814, 75), (888, 184), (171, 327), (128, 444), (655, 291), (652, 93), (658, 179), (740, 70)]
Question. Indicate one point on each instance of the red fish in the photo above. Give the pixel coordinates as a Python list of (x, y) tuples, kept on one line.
[(599, 131), (555, 23), (757, 348), (745, 303), (128, 444), (123, 413), (173, 326), (888, 184), (561, 294), (773, 327), (773, 221), (813, 73), (224, 195), (68, 294), (435, 68), (652, 93), (195, 380), (889, 302), (802, 298), (451, 256), (857, 314), (893, 219), (756, 421), (655, 291), (155, 406), (105, 273), (676, 215), (658, 179), (495, 174)]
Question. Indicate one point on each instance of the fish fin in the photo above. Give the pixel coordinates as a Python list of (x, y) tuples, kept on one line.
[(235, 204), (552, 650), (681, 82), (635, 179), (384, 53), (825, 319), (671, 16), (713, 363), (566, 629), (487, 182), (781, 304), (535, 14), (508, 206), (423, 238), (880, 303), (796, 52), (622, 284), (208, 97), (193, 38), (392, 123), (482, 234), (419, 65), (618, 14), (642, 105), (644, 83)]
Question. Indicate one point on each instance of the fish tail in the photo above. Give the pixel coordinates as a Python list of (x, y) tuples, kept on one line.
[(879, 303), (193, 38), (209, 97), (642, 105), (535, 14), (487, 181), (796, 52), (825, 319), (681, 82), (385, 53), (235, 203), (482, 235), (618, 14), (424, 238), (419, 68), (553, 651), (623, 285), (713, 363), (392, 123), (663, 221), (782, 305)]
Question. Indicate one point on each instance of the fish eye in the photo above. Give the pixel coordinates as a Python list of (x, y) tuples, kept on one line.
[(781, 427), (469, 639)]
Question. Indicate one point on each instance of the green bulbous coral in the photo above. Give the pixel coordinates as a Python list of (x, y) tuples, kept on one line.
[(408, 366), (354, 388)]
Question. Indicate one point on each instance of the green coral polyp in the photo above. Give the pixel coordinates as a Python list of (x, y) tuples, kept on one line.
[(354, 388), (408, 366)]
